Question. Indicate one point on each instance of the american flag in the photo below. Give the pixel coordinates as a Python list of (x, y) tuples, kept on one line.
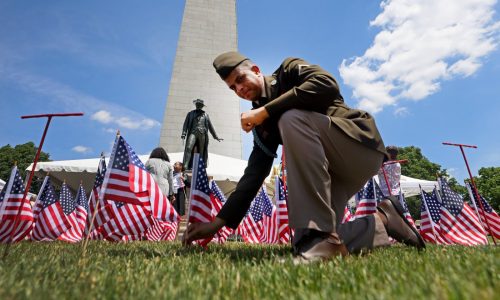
[(100, 211), (252, 226), (430, 215), (16, 216), (51, 221), (347, 214), (458, 221), (218, 199), (492, 218), (69, 208), (76, 212), (38, 205), (128, 181), (162, 231), (200, 205), (406, 212), (282, 211), (367, 202), (269, 220)]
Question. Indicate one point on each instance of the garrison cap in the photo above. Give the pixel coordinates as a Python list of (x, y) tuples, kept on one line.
[(226, 62)]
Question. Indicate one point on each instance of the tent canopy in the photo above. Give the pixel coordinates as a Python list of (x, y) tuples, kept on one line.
[(221, 168)]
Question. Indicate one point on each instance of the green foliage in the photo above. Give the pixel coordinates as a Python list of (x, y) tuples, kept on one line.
[(488, 184), (147, 270), (418, 165), (23, 154)]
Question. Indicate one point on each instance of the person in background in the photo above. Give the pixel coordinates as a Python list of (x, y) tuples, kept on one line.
[(392, 172), (159, 166), (180, 181)]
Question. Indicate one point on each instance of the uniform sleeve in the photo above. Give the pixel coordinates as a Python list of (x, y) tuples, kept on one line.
[(310, 88), (236, 206)]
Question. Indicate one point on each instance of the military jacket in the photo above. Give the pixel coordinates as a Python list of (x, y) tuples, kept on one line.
[(296, 84)]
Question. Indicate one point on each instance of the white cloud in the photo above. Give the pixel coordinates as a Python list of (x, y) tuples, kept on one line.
[(421, 44), (82, 149), (105, 117), (401, 112), (102, 116)]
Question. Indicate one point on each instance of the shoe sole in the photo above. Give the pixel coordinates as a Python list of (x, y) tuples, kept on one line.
[(400, 211)]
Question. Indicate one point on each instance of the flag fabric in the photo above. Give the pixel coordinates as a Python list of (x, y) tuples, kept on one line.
[(492, 219), (218, 200), (68, 205), (127, 180), (100, 211), (200, 205), (458, 220), (379, 195), (77, 214), (252, 224), (162, 231), (347, 214), (38, 205), (282, 212), (16, 216), (430, 216), (406, 212), (270, 233), (126, 220), (51, 221), (367, 201)]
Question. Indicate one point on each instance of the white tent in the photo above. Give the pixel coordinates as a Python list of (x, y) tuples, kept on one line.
[(411, 186), (2, 183), (224, 170)]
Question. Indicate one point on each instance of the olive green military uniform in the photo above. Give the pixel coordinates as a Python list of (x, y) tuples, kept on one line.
[(331, 151)]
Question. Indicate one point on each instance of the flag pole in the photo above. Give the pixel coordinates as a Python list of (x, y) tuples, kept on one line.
[(35, 161), (473, 183)]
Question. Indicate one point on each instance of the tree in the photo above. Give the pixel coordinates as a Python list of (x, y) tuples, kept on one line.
[(23, 154), (418, 165)]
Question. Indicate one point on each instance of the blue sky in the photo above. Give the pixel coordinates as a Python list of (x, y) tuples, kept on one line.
[(428, 71)]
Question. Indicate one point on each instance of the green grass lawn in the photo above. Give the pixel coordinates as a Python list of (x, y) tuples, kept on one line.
[(147, 270)]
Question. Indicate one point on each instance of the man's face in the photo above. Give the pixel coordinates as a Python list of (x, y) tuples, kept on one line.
[(199, 105), (247, 82)]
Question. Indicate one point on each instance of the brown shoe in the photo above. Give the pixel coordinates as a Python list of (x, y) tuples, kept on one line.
[(327, 248), (398, 226)]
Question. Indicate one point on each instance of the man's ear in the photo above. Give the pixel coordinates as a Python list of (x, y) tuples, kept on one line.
[(255, 69)]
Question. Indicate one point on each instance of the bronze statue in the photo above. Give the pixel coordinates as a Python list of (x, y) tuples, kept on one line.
[(196, 127)]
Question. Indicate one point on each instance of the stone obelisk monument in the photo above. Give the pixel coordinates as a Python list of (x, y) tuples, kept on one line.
[(208, 29)]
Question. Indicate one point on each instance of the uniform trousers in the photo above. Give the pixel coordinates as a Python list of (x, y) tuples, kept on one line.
[(325, 168)]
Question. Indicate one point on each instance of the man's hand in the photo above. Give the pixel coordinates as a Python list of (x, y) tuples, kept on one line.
[(196, 231), (219, 139), (183, 136), (172, 199), (252, 118)]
